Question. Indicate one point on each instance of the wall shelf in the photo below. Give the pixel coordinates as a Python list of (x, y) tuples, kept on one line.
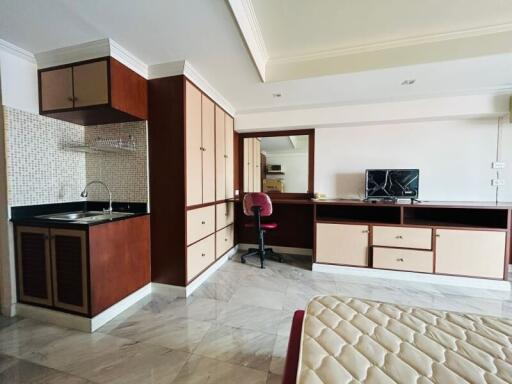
[(104, 145)]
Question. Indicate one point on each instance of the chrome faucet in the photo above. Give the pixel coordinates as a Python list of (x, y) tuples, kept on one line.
[(84, 194)]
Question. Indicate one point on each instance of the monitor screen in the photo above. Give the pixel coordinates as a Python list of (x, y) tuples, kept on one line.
[(392, 183)]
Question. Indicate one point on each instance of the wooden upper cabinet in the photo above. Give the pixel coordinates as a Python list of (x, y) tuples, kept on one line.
[(90, 83), (229, 157), (98, 91), (194, 146), (208, 143), (56, 89), (220, 154)]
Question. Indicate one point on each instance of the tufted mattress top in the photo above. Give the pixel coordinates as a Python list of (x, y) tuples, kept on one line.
[(347, 340)]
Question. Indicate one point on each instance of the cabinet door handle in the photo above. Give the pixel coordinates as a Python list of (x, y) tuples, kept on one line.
[(225, 239), (71, 98), (225, 156), (203, 222), (365, 231), (400, 259), (399, 237), (438, 235), (203, 254)]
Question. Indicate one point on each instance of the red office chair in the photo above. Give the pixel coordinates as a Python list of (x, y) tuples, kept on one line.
[(258, 204)]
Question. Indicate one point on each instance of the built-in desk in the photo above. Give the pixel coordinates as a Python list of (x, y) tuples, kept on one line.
[(470, 239)]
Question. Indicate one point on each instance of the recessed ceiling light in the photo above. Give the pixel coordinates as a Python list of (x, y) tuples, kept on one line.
[(409, 82), (276, 95)]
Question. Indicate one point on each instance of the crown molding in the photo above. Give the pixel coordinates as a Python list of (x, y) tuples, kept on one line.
[(14, 50), (398, 43), (91, 50), (183, 67), (250, 28)]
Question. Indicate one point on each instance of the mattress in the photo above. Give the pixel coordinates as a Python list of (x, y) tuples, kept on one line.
[(347, 340)]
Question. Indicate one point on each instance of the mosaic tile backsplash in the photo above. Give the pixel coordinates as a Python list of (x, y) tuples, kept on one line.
[(124, 173), (41, 171)]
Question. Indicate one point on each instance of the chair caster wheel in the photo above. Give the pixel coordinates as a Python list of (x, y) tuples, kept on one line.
[(243, 261)]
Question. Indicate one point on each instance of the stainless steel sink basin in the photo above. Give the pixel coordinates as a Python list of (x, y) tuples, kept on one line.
[(85, 217)]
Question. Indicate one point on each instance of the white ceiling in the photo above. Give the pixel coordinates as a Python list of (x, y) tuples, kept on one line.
[(284, 144), (206, 34)]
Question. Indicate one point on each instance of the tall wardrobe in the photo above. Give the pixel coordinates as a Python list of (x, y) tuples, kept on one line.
[(191, 169)]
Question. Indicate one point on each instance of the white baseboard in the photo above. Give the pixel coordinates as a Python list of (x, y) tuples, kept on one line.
[(189, 289), (81, 323), (470, 282), (279, 249)]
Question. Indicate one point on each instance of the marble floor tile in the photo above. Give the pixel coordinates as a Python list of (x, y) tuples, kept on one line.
[(108, 359), (6, 361), (239, 346), (251, 317), (7, 321), (202, 370), (217, 291), (25, 372), (274, 379), (279, 355), (258, 297), (161, 329)]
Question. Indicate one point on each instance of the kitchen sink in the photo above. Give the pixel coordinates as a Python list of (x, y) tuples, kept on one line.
[(85, 217)]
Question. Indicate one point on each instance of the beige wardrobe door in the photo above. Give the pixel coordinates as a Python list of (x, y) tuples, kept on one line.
[(229, 157), (470, 253), (90, 83), (220, 154), (208, 161), (256, 176), (248, 181), (193, 145)]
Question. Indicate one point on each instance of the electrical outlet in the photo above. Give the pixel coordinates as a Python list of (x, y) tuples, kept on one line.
[(498, 164), (497, 182)]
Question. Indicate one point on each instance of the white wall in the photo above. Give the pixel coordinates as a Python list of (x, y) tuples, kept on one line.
[(18, 77), (296, 170), (454, 157)]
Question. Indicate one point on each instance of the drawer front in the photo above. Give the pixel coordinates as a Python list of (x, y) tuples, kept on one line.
[(199, 256), (403, 259), (225, 214), (200, 223), (224, 240), (342, 244), (403, 237)]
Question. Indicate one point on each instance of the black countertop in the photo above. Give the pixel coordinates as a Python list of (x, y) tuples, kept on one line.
[(28, 215)]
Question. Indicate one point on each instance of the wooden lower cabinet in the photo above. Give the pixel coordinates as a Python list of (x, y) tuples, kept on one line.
[(83, 271), (33, 265), (69, 269), (342, 244), (470, 253)]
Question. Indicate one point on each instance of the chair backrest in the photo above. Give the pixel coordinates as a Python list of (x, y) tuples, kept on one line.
[(257, 199)]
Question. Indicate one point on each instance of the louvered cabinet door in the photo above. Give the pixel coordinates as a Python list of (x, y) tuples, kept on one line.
[(33, 263), (69, 269), (208, 144), (256, 175), (194, 145)]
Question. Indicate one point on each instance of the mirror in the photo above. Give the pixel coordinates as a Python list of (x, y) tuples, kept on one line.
[(276, 164)]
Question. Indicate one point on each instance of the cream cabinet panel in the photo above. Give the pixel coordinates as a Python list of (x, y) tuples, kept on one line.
[(342, 244), (229, 157), (193, 145), (403, 237), (220, 154), (247, 165), (56, 89), (200, 223), (208, 149), (91, 83), (470, 253), (257, 165), (199, 256), (224, 240), (225, 214), (403, 259)]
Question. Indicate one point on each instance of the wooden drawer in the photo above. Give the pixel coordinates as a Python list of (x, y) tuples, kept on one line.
[(403, 237), (224, 240), (225, 214), (470, 253), (342, 244), (199, 256), (403, 259), (200, 223)]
